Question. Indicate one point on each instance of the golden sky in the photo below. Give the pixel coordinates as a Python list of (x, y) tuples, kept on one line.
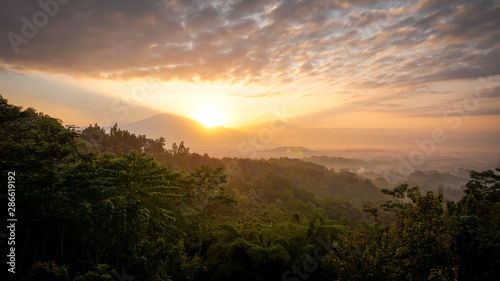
[(328, 64)]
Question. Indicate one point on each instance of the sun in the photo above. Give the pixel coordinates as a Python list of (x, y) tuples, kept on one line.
[(209, 117)]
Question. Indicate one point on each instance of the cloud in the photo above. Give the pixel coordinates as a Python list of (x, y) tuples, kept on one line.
[(430, 4), (356, 44)]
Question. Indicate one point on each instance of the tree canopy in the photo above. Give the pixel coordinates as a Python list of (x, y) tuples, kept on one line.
[(93, 204)]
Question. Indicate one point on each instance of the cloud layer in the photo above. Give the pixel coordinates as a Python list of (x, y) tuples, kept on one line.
[(356, 44)]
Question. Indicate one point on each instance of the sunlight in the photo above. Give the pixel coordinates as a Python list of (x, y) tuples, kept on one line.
[(209, 117)]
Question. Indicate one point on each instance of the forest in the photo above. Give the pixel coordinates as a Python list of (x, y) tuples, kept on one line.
[(93, 205)]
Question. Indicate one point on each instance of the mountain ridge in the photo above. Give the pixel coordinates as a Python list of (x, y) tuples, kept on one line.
[(176, 128)]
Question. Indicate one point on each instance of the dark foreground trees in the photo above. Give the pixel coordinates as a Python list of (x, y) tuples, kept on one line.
[(430, 240), (87, 211)]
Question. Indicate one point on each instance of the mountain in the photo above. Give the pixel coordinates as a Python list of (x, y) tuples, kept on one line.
[(174, 128), (278, 130), (273, 138), (276, 137)]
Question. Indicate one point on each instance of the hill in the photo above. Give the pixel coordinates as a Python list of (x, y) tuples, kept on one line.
[(176, 128)]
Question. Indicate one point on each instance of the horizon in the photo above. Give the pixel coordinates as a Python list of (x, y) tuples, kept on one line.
[(407, 75)]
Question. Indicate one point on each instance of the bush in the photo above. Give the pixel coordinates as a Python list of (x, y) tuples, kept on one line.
[(100, 274), (47, 271)]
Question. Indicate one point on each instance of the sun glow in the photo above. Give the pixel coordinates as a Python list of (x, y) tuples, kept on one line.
[(209, 117)]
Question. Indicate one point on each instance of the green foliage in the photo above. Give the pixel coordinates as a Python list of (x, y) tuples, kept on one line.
[(431, 240), (483, 192), (206, 198), (47, 271), (120, 141), (416, 248), (94, 201), (168, 261), (101, 273), (438, 181), (477, 217), (436, 275), (364, 253), (39, 149), (130, 213), (255, 251), (311, 177), (423, 235)]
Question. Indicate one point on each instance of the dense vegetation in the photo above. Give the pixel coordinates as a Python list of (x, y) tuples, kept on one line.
[(93, 205)]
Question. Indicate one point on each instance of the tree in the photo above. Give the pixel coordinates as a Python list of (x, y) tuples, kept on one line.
[(423, 237), (120, 141), (38, 149), (484, 189), (206, 195), (138, 206), (477, 216), (418, 247)]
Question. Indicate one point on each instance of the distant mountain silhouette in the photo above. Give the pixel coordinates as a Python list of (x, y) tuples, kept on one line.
[(270, 137), (175, 128)]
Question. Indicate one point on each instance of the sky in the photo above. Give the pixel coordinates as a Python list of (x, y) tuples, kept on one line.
[(375, 65)]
